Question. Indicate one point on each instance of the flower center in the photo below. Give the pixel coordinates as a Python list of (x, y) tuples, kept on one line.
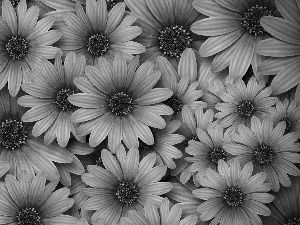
[(294, 221), (245, 108), (98, 44), (28, 216), (17, 47), (264, 154), (61, 99), (110, 4), (217, 154), (233, 196), (174, 103), (174, 40), (120, 104), (127, 192), (13, 134), (288, 124), (251, 19)]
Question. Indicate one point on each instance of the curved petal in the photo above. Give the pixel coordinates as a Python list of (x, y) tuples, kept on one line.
[(276, 48), (281, 29), (9, 15), (242, 57), (287, 78), (215, 26), (188, 65), (213, 9), (289, 10), (235, 5), (216, 44)]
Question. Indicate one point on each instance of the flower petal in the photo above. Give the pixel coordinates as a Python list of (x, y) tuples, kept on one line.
[(216, 44), (276, 48), (289, 11), (215, 26), (242, 57), (213, 9), (235, 5), (9, 15), (101, 129), (286, 79), (60, 220), (281, 29), (188, 65)]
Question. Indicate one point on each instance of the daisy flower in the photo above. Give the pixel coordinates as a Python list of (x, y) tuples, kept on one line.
[(24, 42), (163, 147), (20, 148), (166, 28), (288, 112), (161, 215), (284, 48), (32, 201), (285, 209), (207, 149), (97, 33), (189, 124), (48, 98), (268, 149), (125, 184), (234, 29), (119, 102), (233, 196), (183, 83), (241, 102)]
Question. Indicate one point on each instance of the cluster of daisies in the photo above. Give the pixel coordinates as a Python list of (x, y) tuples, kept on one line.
[(149, 112)]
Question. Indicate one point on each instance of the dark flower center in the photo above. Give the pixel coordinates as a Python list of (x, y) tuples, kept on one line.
[(28, 216), (127, 192), (251, 19), (174, 40), (98, 44), (120, 104), (245, 108), (61, 99), (288, 124), (17, 47), (174, 103), (264, 154), (217, 154), (233, 196), (13, 134), (294, 221), (110, 4)]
